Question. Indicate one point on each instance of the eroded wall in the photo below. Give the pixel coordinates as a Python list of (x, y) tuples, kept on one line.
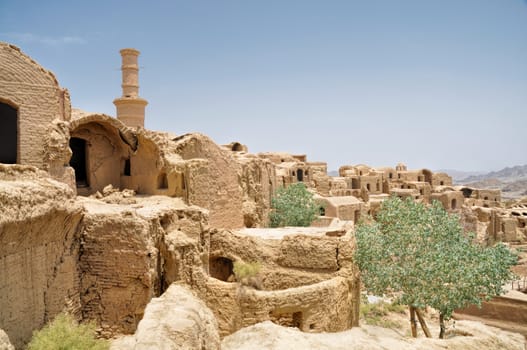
[(213, 182), (131, 253), (39, 249)]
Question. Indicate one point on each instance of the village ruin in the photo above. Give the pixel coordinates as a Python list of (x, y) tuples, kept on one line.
[(103, 218)]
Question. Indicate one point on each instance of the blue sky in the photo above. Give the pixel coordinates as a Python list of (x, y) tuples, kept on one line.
[(432, 83)]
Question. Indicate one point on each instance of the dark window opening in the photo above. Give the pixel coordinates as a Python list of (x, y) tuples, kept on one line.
[(453, 204), (368, 187), (162, 181), (356, 216), (307, 172), (8, 134), (390, 175), (78, 161), (287, 319), (300, 175), (486, 198), (237, 147), (441, 183), (221, 268), (467, 192), (322, 211), (127, 168), (355, 184)]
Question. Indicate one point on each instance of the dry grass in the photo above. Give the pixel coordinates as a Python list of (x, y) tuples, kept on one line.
[(378, 314)]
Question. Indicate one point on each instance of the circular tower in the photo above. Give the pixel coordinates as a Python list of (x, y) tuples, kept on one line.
[(130, 108)]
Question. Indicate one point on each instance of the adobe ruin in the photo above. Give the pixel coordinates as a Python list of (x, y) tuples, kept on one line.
[(99, 216)]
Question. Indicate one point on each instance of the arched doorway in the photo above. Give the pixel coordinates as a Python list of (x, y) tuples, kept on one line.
[(78, 161), (8, 134)]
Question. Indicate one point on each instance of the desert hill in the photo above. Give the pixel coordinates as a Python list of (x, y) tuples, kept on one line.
[(512, 181)]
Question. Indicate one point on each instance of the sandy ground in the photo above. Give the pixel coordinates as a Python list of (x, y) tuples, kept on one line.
[(463, 335)]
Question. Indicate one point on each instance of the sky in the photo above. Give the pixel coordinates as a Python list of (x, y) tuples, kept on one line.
[(438, 84)]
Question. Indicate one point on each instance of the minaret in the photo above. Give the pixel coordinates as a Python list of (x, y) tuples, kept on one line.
[(130, 107)]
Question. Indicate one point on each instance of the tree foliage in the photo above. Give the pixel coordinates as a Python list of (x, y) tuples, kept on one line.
[(293, 206), (64, 333), (422, 254)]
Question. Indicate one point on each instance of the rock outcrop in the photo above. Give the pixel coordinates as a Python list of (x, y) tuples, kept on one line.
[(176, 320), (5, 344)]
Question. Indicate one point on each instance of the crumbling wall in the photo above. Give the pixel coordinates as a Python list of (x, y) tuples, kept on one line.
[(131, 253), (319, 175), (258, 185), (57, 153), (306, 275), (39, 249), (213, 183), (36, 95)]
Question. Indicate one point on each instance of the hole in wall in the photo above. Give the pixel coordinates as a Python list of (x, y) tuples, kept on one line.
[(300, 175), (162, 181), (286, 319), (127, 167), (221, 268)]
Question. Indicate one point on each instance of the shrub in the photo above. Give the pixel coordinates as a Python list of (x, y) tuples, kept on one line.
[(247, 274), (293, 206), (245, 270), (64, 333)]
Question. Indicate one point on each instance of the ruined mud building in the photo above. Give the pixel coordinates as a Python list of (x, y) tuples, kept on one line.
[(99, 215)]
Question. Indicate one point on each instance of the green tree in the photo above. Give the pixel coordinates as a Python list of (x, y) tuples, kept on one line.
[(64, 333), (293, 205), (422, 254)]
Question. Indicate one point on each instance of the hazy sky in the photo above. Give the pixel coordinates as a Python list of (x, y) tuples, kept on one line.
[(432, 83)]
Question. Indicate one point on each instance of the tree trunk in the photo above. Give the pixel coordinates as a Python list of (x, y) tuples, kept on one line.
[(413, 323), (423, 323), (441, 326)]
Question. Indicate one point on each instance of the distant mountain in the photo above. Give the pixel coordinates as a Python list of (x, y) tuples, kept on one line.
[(508, 174), (458, 175), (512, 181)]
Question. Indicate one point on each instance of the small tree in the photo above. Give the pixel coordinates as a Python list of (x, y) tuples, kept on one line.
[(422, 254), (64, 333), (293, 206)]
